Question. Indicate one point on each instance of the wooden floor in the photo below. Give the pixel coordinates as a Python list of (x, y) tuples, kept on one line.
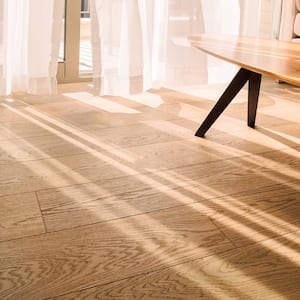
[(114, 198)]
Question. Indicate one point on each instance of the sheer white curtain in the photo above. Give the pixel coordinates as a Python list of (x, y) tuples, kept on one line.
[(29, 43), (260, 18), (134, 41)]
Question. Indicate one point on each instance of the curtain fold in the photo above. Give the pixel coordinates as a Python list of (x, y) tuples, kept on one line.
[(29, 45), (261, 18), (117, 46), (134, 41)]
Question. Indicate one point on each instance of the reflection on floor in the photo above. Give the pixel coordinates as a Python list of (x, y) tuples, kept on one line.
[(114, 197)]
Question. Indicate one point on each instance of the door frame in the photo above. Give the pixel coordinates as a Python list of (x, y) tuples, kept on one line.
[(68, 69)]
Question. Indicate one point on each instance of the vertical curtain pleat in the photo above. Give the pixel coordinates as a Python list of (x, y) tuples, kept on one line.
[(261, 18), (134, 41), (31, 34)]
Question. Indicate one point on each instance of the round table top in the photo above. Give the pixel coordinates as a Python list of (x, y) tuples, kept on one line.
[(274, 58)]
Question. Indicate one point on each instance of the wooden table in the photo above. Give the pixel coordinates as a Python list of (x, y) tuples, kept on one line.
[(256, 57)]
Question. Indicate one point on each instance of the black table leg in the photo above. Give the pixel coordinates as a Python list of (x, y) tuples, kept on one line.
[(253, 95), (231, 91)]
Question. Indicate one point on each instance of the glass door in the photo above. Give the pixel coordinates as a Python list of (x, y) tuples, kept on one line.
[(85, 48), (75, 55)]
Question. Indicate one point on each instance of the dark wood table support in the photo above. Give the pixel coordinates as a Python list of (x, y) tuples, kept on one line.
[(241, 78)]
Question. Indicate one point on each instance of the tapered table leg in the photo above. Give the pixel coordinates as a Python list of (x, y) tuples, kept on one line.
[(231, 91), (253, 95)]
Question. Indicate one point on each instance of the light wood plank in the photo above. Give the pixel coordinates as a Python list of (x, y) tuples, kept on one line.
[(97, 165), (108, 200), (135, 194), (62, 262), (7, 116), (28, 99), (260, 271), (82, 168), (21, 129), (36, 175), (20, 216), (61, 108), (252, 217), (95, 120), (227, 177), (36, 148), (145, 200), (249, 141), (145, 133)]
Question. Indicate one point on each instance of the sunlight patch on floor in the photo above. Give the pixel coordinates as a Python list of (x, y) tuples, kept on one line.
[(101, 103), (147, 99), (229, 203), (205, 280)]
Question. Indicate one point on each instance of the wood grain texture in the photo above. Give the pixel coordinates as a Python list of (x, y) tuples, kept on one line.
[(20, 216), (131, 136), (253, 272), (36, 148), (274, 58), (108, 199), (8, 117), (106, 252), (124, 196), (266, 213), (135, 207), (36, 175), (21, 129), (89, 118)]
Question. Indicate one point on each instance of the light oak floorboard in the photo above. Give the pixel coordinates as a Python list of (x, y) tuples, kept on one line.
[(118, 197), (261, 214), (62, 262), (21, 129), (36, 148), (262, 271), (36, 175), (114, 197), (20, 216)]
